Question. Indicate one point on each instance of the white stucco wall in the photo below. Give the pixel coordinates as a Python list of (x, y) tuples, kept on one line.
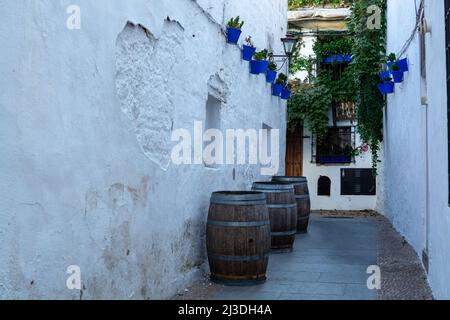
[(85, 123), (413, 133), (314, 171)]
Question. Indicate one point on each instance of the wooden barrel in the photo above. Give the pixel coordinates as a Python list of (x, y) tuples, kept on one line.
[(303, 200), (282, 212), (238, 238)]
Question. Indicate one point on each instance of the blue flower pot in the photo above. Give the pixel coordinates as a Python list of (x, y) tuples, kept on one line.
[(264, 66), (386, 87), (248, 52), (348, 58), (233, 35), (384, 75), (271, 76), (285, 94), (255, 66), (403, 65), (339, 58), (329, 59), (397, 76), (277, 89)]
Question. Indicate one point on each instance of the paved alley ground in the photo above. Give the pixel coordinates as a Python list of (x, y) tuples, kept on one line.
[(330, 263)]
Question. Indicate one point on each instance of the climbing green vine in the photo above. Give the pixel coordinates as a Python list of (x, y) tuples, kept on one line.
[(369, 52), (311, 102)]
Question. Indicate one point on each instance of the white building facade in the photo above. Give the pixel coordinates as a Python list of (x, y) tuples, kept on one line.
[(87, 113), (328, 20), (416, 196)]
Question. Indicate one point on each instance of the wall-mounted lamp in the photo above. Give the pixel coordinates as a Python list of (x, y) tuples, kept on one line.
[(290, 45)]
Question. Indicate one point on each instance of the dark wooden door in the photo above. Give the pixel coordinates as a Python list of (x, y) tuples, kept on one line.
[(294, 153)]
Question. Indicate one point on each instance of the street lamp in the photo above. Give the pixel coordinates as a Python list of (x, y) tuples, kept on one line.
[(289, 44)]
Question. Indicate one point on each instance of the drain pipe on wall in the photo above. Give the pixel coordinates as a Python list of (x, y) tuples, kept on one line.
[(424, 29)]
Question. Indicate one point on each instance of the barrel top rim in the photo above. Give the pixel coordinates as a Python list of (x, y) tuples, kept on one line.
[(238, 195), (273, 185)]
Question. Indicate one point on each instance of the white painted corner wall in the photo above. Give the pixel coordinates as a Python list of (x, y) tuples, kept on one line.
[(85, 123), (415, 135)]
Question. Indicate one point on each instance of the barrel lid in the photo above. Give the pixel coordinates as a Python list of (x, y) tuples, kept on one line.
[(273, 185), (289, 179), (238, 196)]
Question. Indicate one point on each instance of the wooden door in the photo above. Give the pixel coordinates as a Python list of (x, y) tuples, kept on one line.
[(294, 153)]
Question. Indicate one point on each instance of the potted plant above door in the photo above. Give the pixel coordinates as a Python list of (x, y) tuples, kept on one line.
[(259, 64), (286, 92), (279, 84), (234, 30), (248, 49), (271, 72), (387, 87)]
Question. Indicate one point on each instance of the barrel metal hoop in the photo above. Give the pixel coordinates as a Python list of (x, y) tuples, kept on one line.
[(302, 196), (274, 191), (236, 224), (239, 203), (258, 186), (303, 218), (282, 206), (256, 196), (221, 257), (290, 179), (280, 234)]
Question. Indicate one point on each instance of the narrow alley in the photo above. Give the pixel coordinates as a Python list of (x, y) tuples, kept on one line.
[(330, 262)]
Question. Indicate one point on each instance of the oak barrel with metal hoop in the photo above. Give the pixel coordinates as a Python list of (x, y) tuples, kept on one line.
[(282, 212), (238, 238), (303, 200)]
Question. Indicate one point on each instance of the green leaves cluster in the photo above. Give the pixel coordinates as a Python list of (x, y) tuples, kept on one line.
[(368, 55), (235, 23), (311, 103), (261, 55)]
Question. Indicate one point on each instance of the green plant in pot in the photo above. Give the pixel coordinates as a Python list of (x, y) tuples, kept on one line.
[(259, 64), (271, 72), (279, 84), (234, 29)]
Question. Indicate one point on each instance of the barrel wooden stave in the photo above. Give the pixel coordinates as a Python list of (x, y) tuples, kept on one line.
[(302, 198), (283, 214), (238, 255)]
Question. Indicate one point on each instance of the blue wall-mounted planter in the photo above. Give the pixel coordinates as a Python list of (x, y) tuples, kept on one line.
[(255, 66), (397, 76), (386, 88), (385, 75), (264, 66), (233, 35), (338, 58), (402, 65), (285, 94), (247, 53), (276, 89), (271, 76)]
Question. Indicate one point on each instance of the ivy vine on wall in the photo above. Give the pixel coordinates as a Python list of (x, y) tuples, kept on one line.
[(369, 52)]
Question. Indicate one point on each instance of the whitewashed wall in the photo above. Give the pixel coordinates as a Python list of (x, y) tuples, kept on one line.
[(415, 132), (85, 123)]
